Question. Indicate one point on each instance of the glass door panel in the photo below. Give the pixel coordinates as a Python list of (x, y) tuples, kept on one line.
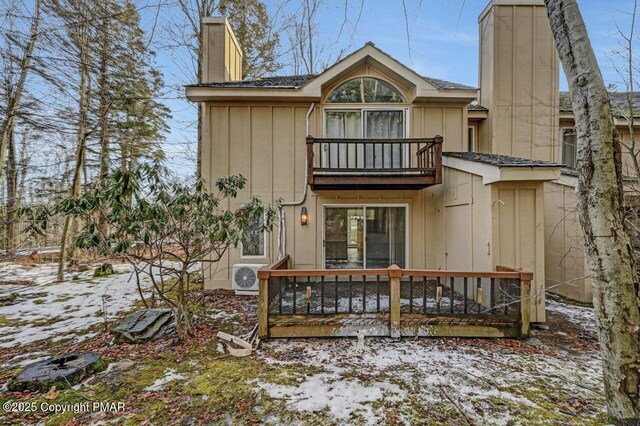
[(350, 242), (385, 237), (380, 124), (344, 238), (342, 125)]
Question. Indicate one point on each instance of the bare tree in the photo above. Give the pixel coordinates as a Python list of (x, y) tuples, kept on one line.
[(308, 54), (77, 16), (15, 89), (600, 208)]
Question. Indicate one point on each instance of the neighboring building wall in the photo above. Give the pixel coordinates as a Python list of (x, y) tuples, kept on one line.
[(519, 79)]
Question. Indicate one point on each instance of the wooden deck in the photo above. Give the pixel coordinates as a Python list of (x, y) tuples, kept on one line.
[(392, 302)]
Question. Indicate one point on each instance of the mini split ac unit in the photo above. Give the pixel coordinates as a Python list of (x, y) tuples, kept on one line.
[(245, 279)]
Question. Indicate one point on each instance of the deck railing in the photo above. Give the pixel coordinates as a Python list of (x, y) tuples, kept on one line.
[(395, 301), (371, 158)]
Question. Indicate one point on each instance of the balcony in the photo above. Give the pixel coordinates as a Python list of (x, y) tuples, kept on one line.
[(374, 163)]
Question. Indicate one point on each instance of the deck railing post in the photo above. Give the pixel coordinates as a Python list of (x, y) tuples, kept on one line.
[(310, 141), (438, 158), (263, 302), (394, 300), (525, 302)]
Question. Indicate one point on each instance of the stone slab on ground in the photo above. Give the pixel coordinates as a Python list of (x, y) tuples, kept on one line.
[(145, 325), (62, 372)]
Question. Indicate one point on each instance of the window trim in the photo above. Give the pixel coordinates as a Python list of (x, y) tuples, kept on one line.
[(562, 130), (265, 246), (364, 206), (471, 143)]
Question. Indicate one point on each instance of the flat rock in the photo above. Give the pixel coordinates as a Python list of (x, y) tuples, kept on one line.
[(145, 325), (62, 372)]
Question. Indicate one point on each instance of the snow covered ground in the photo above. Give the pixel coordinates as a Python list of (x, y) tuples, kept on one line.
[(484, 384), (550, 378), (61, 310)]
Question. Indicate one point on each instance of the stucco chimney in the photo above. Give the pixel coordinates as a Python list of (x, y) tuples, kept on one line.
[(221, 53), (519, 78)]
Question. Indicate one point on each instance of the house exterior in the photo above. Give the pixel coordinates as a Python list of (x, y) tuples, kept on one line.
[(376, 165)]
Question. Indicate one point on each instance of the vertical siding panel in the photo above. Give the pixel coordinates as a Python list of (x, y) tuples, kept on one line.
[(240, 142), (282, 155), (507, 228), (300, 147), (433, 118), (417, 129), (453, 141), (260, 149), (219, 154)]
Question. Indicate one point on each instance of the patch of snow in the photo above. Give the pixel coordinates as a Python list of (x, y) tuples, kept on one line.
[(581, 316), (433, 371), (66, 309), (169, 376), (342, 397)]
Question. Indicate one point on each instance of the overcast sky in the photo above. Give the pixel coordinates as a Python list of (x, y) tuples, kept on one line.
[(443, 44)]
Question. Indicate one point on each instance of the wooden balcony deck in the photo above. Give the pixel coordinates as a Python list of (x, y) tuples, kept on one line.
[(392, 302), (374, 163)]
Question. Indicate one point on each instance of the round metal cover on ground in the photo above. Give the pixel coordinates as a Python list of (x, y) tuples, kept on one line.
[(245, 277), (62, 372)]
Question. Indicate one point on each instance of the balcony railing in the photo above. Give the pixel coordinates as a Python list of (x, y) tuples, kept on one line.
[(392, 302), (374, 163)]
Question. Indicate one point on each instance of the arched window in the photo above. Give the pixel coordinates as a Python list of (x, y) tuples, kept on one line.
[(363, 90)]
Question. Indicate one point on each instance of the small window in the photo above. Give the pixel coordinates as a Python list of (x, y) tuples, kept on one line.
[(255, 243), (365, 90), (471, 141), (569, 150)]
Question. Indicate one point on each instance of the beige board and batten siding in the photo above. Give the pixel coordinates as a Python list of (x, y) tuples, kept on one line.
[(265, 142), (490, 224), (518, 234)]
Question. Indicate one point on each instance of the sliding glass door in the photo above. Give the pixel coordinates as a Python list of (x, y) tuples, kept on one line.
[(364, 124), (364, 237)]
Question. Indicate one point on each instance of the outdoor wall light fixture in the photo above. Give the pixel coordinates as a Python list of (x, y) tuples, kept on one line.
[(303, 216)]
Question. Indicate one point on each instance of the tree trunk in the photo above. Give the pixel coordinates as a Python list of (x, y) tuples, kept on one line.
[(12, 181), (13, 104), (600, 208), (103, 93), (24, 165), (83, 110)]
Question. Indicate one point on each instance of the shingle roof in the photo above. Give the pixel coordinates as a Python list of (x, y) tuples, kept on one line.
[(297, 81), (618, 103), (277, 82), (446, 85), (499, 160), (474, 106)]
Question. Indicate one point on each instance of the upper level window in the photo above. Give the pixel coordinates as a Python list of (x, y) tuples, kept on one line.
[(569, 150), (363, 90)]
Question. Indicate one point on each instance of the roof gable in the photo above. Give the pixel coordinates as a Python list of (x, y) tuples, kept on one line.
[(422, 87), (310, 87)]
